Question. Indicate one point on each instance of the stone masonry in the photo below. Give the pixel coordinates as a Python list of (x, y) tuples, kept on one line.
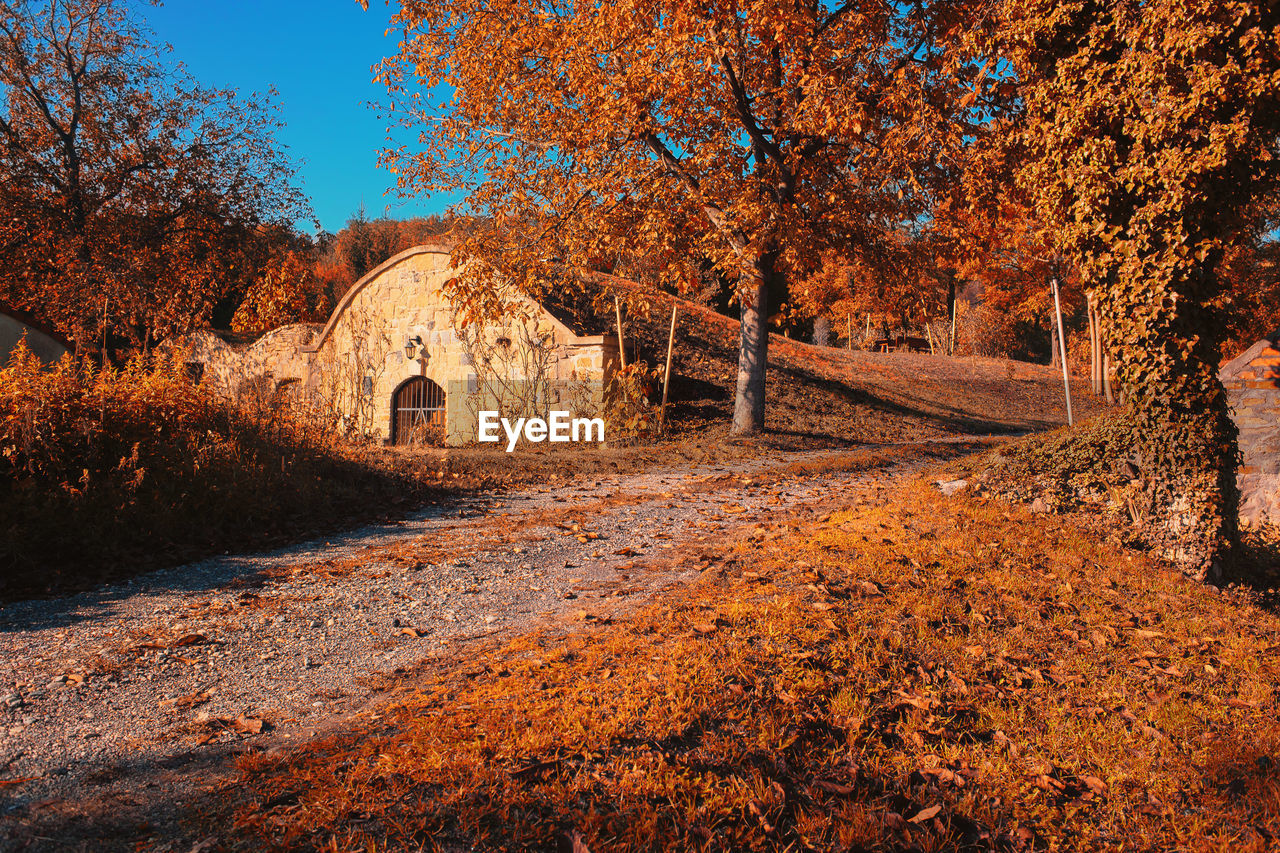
[(1252, 382), (43, 343), (354, 364)]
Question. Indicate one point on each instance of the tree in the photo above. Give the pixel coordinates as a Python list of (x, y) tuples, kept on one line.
[(1000, 247), (1252, 273), (754, 134), (1150, 128), (286, 291), (135, 196)]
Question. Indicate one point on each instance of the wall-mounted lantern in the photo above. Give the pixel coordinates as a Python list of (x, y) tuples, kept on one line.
[(413, 346)]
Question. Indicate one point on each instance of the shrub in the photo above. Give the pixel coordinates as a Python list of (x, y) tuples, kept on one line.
[(629, 399), (106, 472)]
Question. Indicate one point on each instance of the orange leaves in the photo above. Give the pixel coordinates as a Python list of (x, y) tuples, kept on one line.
[(1141, 120), (721, 135), (137, 194), (116, 470), (732, 716), (287, 291)]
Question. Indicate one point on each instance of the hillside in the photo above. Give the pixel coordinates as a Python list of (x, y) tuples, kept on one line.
[(825, 394)]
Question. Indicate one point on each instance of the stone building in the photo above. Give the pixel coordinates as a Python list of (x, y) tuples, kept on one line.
[(15, 326), (275, 362), (393, 365), (1252, 381)]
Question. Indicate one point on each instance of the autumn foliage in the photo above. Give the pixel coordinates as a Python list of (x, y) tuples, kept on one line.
[(1011, 685), (94, 462), (748, 136), (1149, 134), (286, 291), (134, 197)]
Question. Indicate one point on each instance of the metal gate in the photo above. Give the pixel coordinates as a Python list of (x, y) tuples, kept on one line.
[(417, 413)]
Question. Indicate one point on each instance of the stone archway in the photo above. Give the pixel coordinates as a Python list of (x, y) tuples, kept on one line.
[(418, 412)]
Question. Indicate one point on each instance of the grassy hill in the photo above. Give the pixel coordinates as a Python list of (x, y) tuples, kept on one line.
[(825, 394)]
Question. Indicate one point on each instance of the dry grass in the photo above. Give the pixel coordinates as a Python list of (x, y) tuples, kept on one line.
[(107, 474), (927, 674), (828, 394)]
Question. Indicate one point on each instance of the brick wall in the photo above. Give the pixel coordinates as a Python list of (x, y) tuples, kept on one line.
[(1252, 382)]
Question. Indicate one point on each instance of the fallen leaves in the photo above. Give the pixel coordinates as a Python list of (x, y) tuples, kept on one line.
[(247, 725), (926, 814), (242, 725), (1094, 784), (182, 703), (180, 642), (833, 787), (954, 673)]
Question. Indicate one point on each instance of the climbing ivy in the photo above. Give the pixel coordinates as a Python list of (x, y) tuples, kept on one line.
[(1146, 130)]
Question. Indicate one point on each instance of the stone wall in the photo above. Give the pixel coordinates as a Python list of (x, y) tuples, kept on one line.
[(275, 362), (360, 358), (353, 365), (1252, 382), (43, 345)]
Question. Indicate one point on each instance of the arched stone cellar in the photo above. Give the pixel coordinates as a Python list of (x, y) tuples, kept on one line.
[(395, 326)]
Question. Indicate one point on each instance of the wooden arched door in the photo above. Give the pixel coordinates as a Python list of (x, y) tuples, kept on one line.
[(417, 412)]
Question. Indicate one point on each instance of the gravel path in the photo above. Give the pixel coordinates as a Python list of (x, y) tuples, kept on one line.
[(129, 687)]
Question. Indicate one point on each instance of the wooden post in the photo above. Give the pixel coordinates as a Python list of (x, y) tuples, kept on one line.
[(848, 319), (955, 309), (928, 330), (951, 310), (1062, 348), (106, 300), (622, 349), (666, 373)]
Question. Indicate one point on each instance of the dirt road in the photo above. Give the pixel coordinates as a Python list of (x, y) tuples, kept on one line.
[(142, 691)]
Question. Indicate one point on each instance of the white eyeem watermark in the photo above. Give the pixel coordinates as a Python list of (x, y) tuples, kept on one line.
[(560, 427)]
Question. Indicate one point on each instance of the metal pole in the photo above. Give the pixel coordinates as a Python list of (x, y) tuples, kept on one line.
[(1062, 349)]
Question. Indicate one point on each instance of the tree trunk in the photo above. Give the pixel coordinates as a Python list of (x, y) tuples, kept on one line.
[(1166, 358), (821, 332), (1062, 353), (1095, 355), (1106, 377), (753, 354)]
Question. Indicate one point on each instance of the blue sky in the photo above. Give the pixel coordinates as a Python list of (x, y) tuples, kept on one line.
[(318, 56)]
